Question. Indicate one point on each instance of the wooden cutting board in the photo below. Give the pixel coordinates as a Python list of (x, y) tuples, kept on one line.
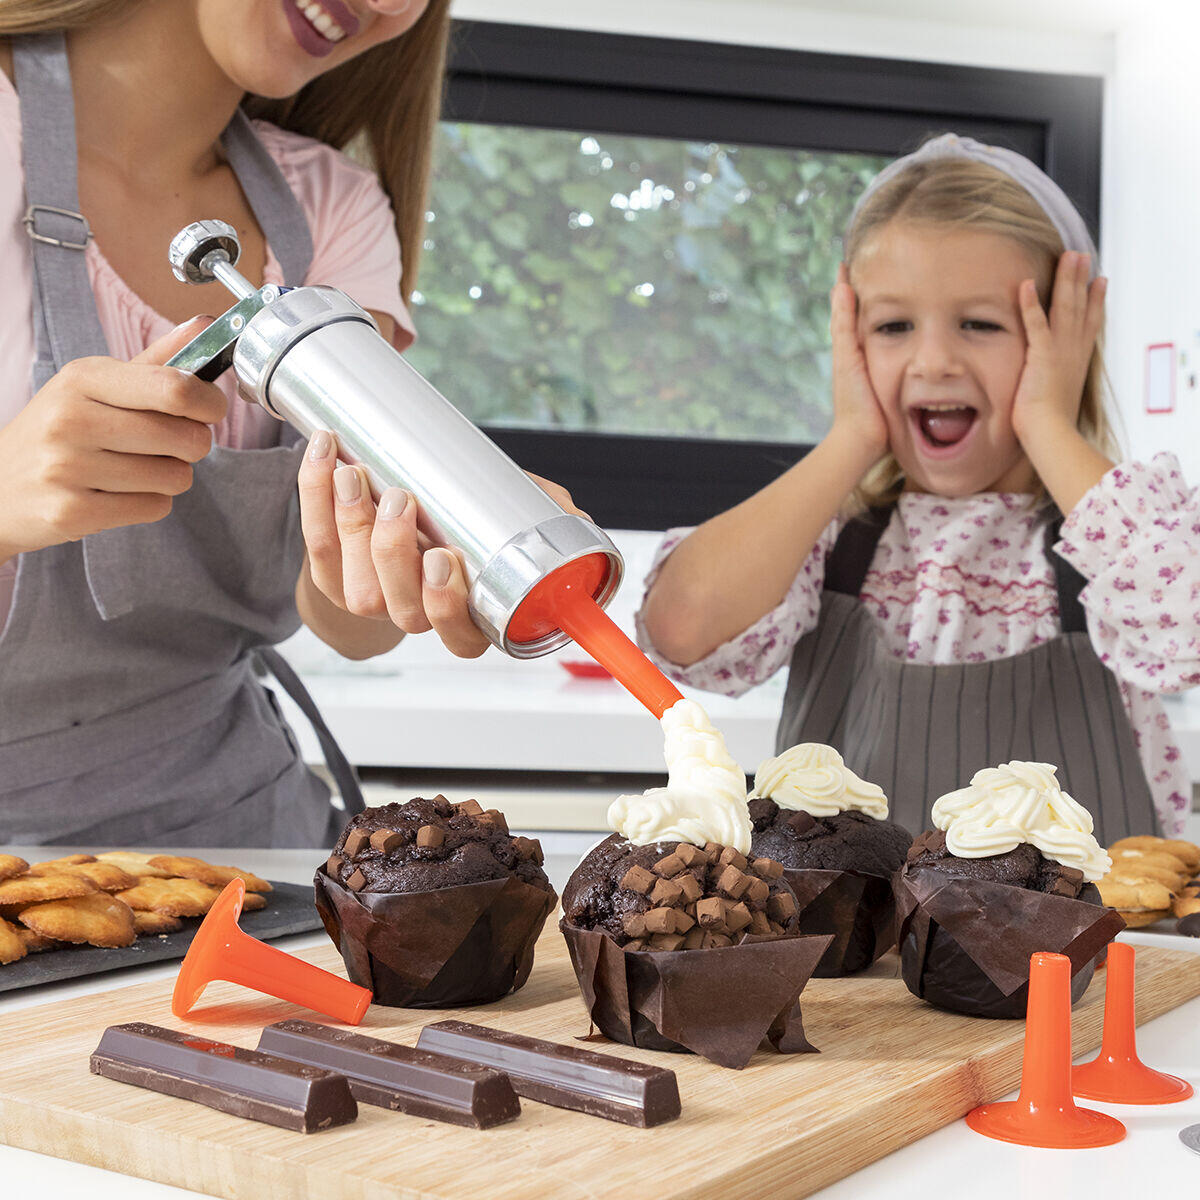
[(786, 1125)]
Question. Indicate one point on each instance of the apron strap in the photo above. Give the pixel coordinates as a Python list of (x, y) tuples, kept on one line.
[(850, 559), (271, 199), (1068, 580), (65, 322)]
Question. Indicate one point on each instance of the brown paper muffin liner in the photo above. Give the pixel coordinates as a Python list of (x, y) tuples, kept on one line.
[(467, 944), (719, 1003), (965, 944), (857, 908)]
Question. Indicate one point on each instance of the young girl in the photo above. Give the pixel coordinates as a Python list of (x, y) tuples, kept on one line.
[(152, 546), (939, 614)]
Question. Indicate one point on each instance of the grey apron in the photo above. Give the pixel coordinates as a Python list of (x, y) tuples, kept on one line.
[(130, 710), (920, 731)]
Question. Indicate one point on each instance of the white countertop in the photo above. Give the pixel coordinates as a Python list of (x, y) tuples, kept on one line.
[(1151, 1160)]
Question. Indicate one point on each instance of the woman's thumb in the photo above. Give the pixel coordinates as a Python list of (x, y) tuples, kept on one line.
[(167, 346)]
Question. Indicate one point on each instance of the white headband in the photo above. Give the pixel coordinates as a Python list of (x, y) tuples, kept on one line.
[(1053, 200)]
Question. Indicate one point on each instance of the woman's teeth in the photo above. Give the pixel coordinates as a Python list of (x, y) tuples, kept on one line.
[(321, 21)]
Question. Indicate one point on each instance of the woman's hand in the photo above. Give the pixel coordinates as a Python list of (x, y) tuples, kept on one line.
[(371, 561), (104, 444), (1059, 351), (855, 405)]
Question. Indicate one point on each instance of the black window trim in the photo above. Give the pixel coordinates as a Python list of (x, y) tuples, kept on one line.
[(625, 84)]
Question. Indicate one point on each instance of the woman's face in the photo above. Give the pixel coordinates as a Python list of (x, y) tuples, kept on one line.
[(945, 345), (274, 47)]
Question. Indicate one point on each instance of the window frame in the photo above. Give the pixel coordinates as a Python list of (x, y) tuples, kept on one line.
[(664, 87)]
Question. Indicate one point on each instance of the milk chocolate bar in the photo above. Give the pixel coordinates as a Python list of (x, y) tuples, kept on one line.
[(398, 1077), (245, 1083), (565, 1076)]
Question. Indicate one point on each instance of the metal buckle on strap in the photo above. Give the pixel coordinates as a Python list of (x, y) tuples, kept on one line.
[(31, 215)]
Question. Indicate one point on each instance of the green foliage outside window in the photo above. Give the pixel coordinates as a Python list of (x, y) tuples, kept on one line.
[(633, 285)]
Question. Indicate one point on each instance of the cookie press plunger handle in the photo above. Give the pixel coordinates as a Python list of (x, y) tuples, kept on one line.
[(538, 576)]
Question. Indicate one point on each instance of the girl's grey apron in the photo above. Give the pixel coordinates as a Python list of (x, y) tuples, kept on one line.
[(920, 731), (130, 711)]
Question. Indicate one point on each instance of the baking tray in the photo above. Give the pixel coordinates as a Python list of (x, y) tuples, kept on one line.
[(290, 909)]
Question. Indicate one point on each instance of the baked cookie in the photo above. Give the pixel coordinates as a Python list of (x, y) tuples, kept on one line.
[(1188, 852), (11, 865), (33, 889), (11, 945), (171, 897), (205, 872), (134, 863), (146, 921), (98, 920), (107, 876)]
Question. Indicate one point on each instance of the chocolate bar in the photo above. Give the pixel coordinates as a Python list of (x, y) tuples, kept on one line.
[(245, 1083), (418, 1082), (565, 1076)]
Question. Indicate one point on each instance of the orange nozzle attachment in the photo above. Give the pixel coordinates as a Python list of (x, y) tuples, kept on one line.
[(1118, 1075), (565, 600), (1044, 1113), (220, 950)]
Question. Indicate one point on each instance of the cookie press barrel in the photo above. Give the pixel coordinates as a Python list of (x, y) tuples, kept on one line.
[(538, 576)]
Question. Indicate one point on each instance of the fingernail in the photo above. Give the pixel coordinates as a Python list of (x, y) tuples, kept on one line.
[(346, 484), (436, 568), (393, 502), (320, 446)]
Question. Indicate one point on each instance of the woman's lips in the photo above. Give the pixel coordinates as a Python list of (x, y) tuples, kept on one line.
[(309, 37)]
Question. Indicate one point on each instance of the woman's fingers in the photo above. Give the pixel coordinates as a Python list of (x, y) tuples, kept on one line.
[(317, 519), (444, 596), (396, 553), (354, 513)]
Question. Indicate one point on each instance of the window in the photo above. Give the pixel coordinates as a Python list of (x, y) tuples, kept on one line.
[(630, 243)]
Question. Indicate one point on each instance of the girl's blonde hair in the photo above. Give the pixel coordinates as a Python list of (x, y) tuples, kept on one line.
[(386, 101), (963, 194)]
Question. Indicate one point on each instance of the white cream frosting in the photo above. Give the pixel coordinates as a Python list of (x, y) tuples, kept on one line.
[(1020, 802), (705, 797), (812, 778)]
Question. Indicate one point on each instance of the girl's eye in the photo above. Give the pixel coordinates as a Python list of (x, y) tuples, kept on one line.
[(981, 326), (893, 327)]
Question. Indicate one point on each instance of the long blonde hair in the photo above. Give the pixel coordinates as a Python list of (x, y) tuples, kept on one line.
[(963, 194), (386, 101)]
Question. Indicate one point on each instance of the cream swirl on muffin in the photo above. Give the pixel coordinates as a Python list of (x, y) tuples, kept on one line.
[(705, 797), (1020, 802), (812, 778)]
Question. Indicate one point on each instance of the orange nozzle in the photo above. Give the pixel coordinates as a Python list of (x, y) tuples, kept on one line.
[(1044, 1113), (1117, 1075), (220, 950), (565, 600)]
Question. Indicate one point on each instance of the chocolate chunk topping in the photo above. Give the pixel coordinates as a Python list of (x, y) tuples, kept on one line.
[(470, 808), (638, 879), (356, 839), (430, 836), (356, 881), (386, 840), (667, 891), (669, 866), (801, 822)]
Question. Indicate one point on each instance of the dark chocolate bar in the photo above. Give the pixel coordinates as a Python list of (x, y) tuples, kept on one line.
[(245, 1083), (398, 1077), (600, 1085)]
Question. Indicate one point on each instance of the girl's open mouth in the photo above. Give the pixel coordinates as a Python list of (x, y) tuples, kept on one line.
[(943, 428)]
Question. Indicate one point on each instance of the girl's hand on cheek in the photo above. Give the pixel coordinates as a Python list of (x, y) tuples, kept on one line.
[(855, 405), (1059, 350)]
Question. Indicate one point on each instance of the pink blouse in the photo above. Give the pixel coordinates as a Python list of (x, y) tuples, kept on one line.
[(967, 580), (355, 248)]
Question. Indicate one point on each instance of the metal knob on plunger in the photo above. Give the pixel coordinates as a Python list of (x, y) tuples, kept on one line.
[(312, 357)]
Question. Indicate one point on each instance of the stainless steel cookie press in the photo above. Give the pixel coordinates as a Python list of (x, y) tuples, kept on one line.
[(314, 358)]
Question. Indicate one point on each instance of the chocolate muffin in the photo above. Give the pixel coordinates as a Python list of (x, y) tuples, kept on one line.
[(676, 896), (1007, 873), (434, 904), (631, 910), (425, 844), (840, 867)]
